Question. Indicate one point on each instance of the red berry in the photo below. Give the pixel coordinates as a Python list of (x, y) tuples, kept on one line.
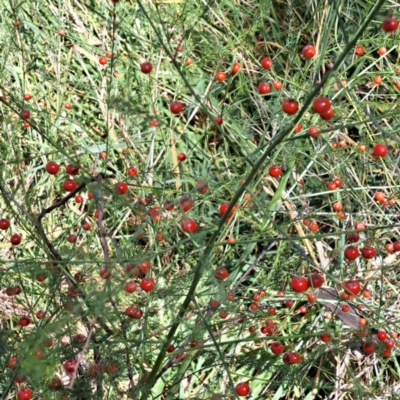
[(290, 106), (353, 287), (78, 198), (242, 389), (130, 287), (221, 273), (326, 116), (309, 51), (69, 365), (185, 203), (396, 246), (219, 120), (132, 171), (311, 297), (169, 205), (235, 68), (353, 237), (181, 157), (24, 394), (189, 226), (12, 362), (380, 150), (299, 284), (72, 169), (69, 185), (121, 188), (71, 238), (321, 105), (382, 336), (25, 114), (147, 284), (52, 167), (277, 85), (264, 88), (325, 337), (24, 320), (337, 206), (390, 24), (289, 303), (368, 252), (105, 273), (176, 107), (389, 343), (4, 224), (277, 348), (291, 358), (146, 67), (316, 280), (369, 347), (27, 97), (221, 76), (266, 63), (133, 312), (275, 171), (15, 239), (359, 50), (351, 253), (170, 348), (345, 308), (202, 187)]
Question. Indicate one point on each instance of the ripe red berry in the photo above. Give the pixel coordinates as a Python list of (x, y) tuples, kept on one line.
[(321, 105), (221, 76), (24, 320), (380, 150), (353, 237), (299, 284), (221, 273), (390, 24), (275, 171), (202, 187), (326, 116), (337, 206), (176, 107), (189, 226), (218, 120), (359, 50), (72, 169), (277, 348), (132, 171), (69, 365), (103, 60), (291, 358), (147, 284), (325, 337), (130, 287), (25, 114), (311, 297), (105, 273), (181, 157), (368, 252), (170, 348), (71, 238), (316, 280), (266, 63), (185, 203), (235, 68), (4, 224), (121, 188), (15, 239), (369, 347), (290, 106), (242, 389), (264, 88), (69, 185), (52, 167), (309, 51), (133, 312), (277, 85), (24, 394), (396, 246), (353, 287), (351, 253), (146, 67), (289, 303), (382, 336)]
